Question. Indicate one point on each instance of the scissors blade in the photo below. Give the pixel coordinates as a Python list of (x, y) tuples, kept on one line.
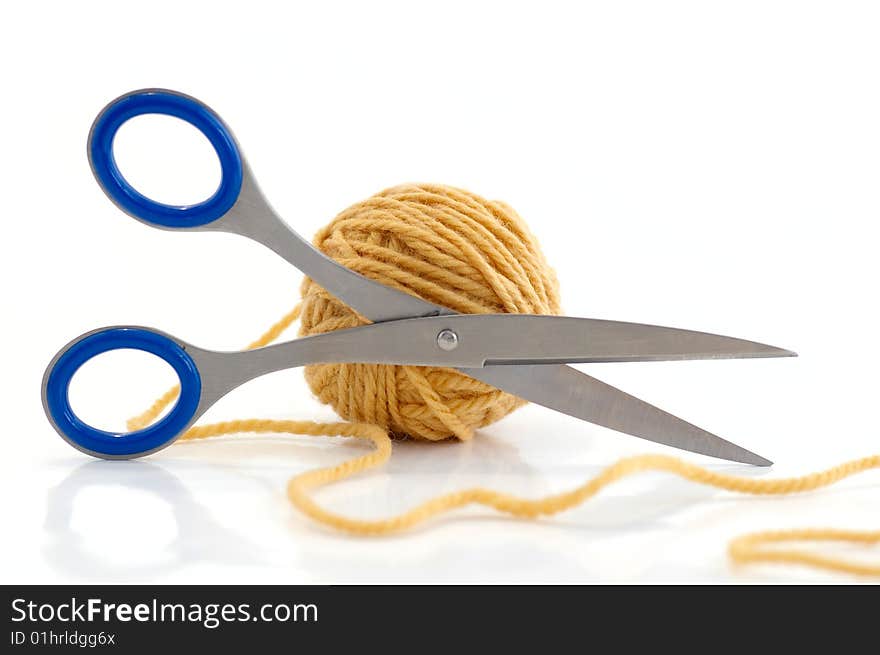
[(571, 392), (477, 340), (513, 339)]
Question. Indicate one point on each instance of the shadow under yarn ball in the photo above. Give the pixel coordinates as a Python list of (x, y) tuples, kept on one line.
[(444, 245)]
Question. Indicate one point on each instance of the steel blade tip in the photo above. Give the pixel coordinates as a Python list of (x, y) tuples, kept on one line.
[(757, 460), (739, 454), (734, 453), (763, 350), (724, 449)]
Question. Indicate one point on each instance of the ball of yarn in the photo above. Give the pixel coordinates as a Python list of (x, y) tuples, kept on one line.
[(446, 246)]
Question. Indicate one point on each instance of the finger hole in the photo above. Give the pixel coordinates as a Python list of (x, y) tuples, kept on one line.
[(167, 160), (113, 386), (116, 445)]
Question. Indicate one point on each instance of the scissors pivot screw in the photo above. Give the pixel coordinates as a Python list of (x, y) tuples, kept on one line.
[(447, 340)]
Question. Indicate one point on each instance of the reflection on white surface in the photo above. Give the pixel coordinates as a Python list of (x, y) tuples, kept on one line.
[(220, 505), (125, 555)]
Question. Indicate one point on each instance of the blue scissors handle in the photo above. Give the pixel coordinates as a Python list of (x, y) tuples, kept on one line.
[(109, 445), (129, 199)]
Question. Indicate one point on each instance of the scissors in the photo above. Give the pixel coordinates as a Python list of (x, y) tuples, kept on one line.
[(525, 355)]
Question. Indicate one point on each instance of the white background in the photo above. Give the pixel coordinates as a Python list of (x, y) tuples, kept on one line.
[(712, 166)]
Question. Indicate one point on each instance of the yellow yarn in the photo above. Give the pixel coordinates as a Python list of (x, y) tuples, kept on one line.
[(446, 246), (454, 248)]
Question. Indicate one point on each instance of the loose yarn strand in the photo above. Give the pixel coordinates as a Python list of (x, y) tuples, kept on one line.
[(454, 248)]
